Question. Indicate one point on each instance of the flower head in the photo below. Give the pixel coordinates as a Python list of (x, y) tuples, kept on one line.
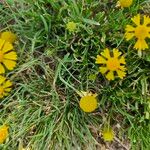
[(71, 26), (5, 86), (141, 31), (8, 56), (125, 3), (108, 134), (3, 133), (8, 36), (111, 64), (88, 101)]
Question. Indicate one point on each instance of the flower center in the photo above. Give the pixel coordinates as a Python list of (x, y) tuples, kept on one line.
[(113, 64), (88, 103), (1, 56), (141, 32), (1, 90)]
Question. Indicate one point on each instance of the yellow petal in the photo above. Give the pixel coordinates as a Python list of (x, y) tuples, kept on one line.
[(1, 43), (136, 19), (7, 84), (2, 79), (10, 64), (146, 20), (4, 127), (8, 36), (1, 96), (125, 3), (7, 89), (121, 74), (129, 28), (116, 53), (122, 68), (100, 60), (141, 44), (2, 70), (6, 94), (106, 53), (110, 75), (11, 55), (129, 36), (103, 70), (122, 60), (7, 47)]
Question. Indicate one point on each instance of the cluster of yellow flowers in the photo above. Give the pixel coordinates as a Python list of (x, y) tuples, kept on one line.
[(8, 57), (112, 63)]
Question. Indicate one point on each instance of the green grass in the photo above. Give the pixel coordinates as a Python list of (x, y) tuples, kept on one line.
[(43, 108)]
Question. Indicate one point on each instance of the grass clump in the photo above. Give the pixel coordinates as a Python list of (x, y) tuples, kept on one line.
[(55, 65)]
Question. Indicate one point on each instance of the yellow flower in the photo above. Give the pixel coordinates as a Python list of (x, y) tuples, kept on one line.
[(108, 134), (88, 101), (71, 26), (3, 133), (5, 86), (111, 64), (8, 56), (125, 3), (8, 36), (140, 32)]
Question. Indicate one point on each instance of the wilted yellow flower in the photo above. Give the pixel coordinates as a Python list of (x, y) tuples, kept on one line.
[(92, 77), (3, 133), (8, 56), (71, 26), (5, 86), (8, 36), (88, 101), (140, 32), (111, 64), (108, 134), (125, 3)]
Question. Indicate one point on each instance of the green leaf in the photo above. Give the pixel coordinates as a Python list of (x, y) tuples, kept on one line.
[(91, 22), (10, 2)]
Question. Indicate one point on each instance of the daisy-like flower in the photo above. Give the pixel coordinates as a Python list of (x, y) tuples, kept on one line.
[(8, 36), (125, 3), (5, 86), (141, 31), (71, 26), (111, 65), (8, 56), (3, 133), (108, 134), (88, 101)]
